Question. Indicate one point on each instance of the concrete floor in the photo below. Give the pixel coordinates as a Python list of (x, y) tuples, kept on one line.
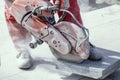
[(104, 26)]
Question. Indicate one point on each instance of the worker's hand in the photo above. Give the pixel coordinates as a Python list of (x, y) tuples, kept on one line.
[(57, 7)]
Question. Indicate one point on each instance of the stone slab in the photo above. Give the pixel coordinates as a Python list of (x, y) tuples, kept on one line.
[(92, 69)]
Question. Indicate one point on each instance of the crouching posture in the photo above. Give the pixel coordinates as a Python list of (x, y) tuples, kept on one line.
[(67, 39)]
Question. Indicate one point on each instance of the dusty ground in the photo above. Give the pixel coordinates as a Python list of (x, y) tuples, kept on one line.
[(89, 6)]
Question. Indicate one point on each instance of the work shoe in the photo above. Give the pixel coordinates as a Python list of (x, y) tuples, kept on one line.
[(94, 54), (24, 60)]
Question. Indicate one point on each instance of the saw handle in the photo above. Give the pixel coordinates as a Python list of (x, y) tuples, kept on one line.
[(51, 8)]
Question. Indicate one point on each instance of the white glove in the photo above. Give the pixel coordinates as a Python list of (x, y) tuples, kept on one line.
[(66, 4)]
